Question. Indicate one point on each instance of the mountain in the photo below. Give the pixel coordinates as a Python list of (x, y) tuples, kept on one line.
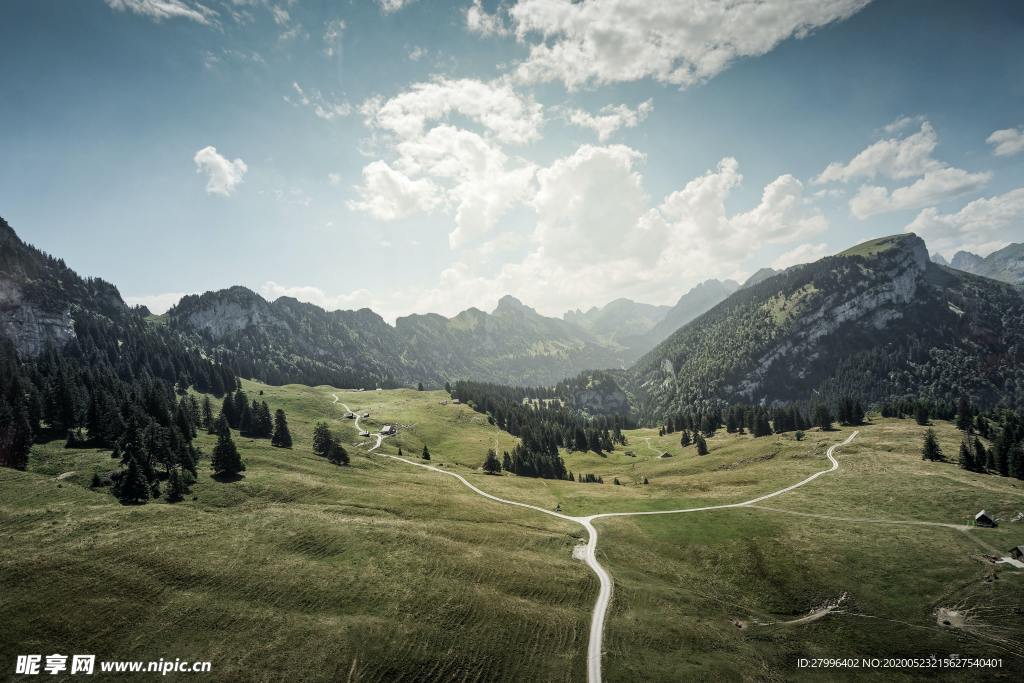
[(1006, 265), (760, 276), (618, 320), (877, 321), (690, 305), (286, 341), (939, 259), (512, 345)]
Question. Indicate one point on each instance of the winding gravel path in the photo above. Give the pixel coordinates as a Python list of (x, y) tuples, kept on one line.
[(604, 595)]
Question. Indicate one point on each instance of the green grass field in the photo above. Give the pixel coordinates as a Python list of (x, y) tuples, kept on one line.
[(382, 571)]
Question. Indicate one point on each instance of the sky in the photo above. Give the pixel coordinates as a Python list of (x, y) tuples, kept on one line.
[(417, 156)]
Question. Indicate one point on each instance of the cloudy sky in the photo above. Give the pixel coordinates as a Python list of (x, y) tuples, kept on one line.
[(426, 155)]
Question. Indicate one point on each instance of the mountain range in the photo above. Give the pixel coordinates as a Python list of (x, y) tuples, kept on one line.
[(879, 320), (1006, 264)]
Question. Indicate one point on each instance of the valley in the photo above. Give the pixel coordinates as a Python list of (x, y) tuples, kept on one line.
[(341, 568)]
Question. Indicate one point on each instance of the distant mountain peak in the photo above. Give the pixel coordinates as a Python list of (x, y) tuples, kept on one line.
[(509, 303)]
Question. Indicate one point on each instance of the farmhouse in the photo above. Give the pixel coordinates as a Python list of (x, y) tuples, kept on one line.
[(364, 433), (366, 414), (983, 519), (1017, 553), (388, 430)]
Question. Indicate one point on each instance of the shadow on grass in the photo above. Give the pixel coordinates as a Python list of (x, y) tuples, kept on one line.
[(227, 478)]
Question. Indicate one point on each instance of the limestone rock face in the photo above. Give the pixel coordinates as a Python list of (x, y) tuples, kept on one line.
[(28, 325)]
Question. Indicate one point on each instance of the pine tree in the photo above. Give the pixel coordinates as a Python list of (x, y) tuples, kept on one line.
[(921, 414), (448, 388), (336, 453), (964, 414), (981, 456), (419, 387), (822, 417), (702, 445), (321, 438), (207, 413), (399, 451), (226, 461), (684, 440), (133, 489), (426, 453), (491, 464), (282, 437), (966, 458), (176, 488), (931, 450)]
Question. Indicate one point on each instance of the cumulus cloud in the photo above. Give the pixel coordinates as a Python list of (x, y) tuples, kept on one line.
[(682, 42), (901, 159), (222, 176), (803, 253), (321, 106), (610, 118), (932, 187), (478, 20), (1007, 142), (434, 163), (598, 237), (387, 194), (979, 226), (506, 114), (896, 158), (158, 10)]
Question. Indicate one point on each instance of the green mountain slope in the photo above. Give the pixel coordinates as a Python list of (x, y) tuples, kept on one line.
[(878, 320)]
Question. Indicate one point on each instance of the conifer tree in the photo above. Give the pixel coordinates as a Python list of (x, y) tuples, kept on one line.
[(491, 464), (282, 437), (684, 440), (426, 453), (207, 412), (226, 461), (702, 445), (981, 456), (321, 438), (419, 386), (133, 489), (921, 413), (822, 417), (966, 458), (931, 450), (175, 487), (964, 414)]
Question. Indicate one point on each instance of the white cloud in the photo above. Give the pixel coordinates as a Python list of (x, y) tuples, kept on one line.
[(322, 107), (387, 194), (334, 178), (222, 176), (902, 158), (478, 20), (391, 6), (280, 14), (1007, 142), (156, 303), (610, 118), (434, 164), (933, 186), (902, 123), (896, 158), (417, 53), (504, 113), (359, 298), (803, 253), (682, 42), (158, 10), (981, 226), (597, 237)]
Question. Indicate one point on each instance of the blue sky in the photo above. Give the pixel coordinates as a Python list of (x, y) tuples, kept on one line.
[(429, 156)]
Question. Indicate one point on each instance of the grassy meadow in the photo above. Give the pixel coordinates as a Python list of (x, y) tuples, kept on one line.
[(381, 571)]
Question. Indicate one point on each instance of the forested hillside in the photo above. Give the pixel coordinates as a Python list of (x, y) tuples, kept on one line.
[(879, 321)]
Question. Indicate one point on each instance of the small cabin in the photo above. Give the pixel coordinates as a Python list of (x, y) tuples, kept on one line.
[(983, 519), (388, 430), (364, 433), (350, 416), (366, 415), (1017, 553), (456, 401)]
